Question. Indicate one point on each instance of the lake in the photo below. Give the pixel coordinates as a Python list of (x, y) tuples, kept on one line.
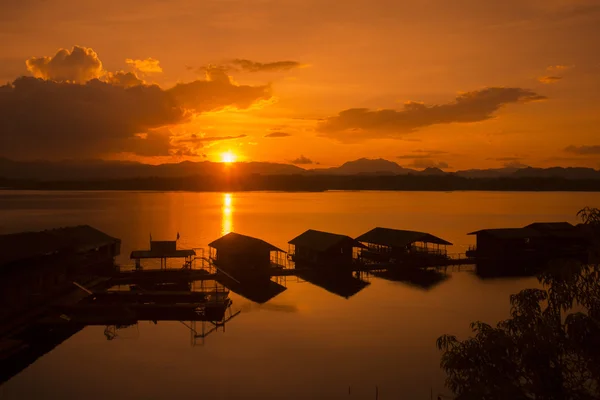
[(306, 343)]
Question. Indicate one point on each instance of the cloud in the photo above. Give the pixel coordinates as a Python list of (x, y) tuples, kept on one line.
[(79, 65), (549, 79), (125, 79), (421, 154), (255, 66), (428, 163), (147, 66), (68, 115), (302, 160), (515, 164), (508, 159), (360, 123), (553, 68), (583, 150), (277, 134), (199, 139)]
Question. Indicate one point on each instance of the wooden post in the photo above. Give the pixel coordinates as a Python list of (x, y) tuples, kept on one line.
[(376, 392)]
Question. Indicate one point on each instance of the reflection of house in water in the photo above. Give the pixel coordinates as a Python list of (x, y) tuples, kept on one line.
[(34, 266), (244, 257), (403, 247), (258, 290), (538, 241), (324, 249), (425, 279), (342, 283)]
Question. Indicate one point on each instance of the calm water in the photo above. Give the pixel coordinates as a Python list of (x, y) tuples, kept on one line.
[(305, 343)]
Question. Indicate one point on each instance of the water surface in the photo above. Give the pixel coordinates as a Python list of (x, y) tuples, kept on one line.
[(306, 343)]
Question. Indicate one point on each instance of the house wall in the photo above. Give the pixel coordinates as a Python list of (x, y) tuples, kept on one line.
[(336, 256), (244, 262)]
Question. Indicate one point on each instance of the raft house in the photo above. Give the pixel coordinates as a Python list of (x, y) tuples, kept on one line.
[(323, 249), (164, 250), (397, 246), (540, 240), (37, 266), (242, 257)]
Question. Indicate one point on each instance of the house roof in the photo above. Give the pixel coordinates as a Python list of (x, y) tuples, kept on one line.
[(242, 243), (28, 245), (322, 241), (398, 238), (509, 233), (551, 226)]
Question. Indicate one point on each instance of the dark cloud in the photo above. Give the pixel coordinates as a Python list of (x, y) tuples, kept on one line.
[(217, 92), (302, 160), (507, 159), (62, 116), (422, 154), (200, 139), (584, 150), (125, 79), (515, 164), (255, 66), (360, 123), (277, 135), (80, 65), (549, 79), (428, 163)]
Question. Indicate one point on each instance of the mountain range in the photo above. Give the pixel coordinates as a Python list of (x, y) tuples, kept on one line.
[(101, 169)]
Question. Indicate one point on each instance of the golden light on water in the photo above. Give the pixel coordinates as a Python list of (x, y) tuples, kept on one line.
[(227, 214)]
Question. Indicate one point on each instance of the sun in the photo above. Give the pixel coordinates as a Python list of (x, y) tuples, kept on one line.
[(228, 157)]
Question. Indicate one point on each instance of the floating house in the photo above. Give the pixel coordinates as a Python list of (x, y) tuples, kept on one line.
[(316, 248), (535, 241), (163, 250), (401, 246), (35, 266), (244, 256)]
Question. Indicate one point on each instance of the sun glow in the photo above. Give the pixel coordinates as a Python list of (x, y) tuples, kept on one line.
[(228, 157)]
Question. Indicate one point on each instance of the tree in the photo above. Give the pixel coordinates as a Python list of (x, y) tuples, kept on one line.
[(549, 348), (590, 216)]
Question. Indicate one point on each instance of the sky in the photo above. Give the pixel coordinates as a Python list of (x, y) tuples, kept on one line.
[(431, 83)]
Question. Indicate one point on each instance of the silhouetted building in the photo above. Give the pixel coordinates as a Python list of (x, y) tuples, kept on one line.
[(313, 248), (244, 256), (37, 265), (163, 250), (535, 241), (395, 245)]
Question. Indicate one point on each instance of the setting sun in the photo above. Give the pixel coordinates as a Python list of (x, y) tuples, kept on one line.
[(228, 157)]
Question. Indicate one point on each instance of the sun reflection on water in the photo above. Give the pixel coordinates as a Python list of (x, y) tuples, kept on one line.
[(227, 218)]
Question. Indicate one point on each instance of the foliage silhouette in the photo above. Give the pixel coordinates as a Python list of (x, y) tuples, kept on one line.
[(548, 349)]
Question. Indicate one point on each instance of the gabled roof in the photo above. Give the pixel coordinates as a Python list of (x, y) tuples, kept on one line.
[(509, 233), (29, 245), (322, 241), (241, 243), (551, 226), (398, 238)]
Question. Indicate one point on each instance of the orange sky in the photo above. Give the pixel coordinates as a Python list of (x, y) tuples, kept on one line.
[(456, 84)]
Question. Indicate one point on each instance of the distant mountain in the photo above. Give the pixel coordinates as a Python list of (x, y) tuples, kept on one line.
[(558, 172), (366, 166), (99, 169), (104, 170), (432, 171), (486, 173)]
